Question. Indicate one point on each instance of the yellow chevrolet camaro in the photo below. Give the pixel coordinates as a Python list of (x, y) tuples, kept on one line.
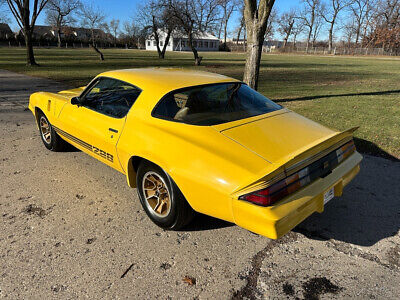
[(196, 141)]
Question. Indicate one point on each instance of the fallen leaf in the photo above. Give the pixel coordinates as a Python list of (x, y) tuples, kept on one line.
[(189, 280)]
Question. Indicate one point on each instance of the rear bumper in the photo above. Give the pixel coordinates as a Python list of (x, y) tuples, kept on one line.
[(275, 221)]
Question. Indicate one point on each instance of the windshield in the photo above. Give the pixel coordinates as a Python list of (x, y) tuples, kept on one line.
[(213, 104)]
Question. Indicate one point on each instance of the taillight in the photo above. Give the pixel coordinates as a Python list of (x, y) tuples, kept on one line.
[(345, 151), (296, 181), (279, 190)]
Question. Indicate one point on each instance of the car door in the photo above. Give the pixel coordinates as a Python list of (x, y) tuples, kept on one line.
[(95, 124)]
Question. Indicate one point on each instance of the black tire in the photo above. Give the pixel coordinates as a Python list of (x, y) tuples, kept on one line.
[(180, 213), (50, 139)]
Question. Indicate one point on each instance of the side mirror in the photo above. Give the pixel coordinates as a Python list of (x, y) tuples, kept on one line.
[(75, 101)]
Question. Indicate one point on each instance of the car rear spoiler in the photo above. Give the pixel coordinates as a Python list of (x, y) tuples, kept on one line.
[(297, 160)]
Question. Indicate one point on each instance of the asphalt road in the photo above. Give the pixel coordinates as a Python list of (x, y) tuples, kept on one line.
[(72, 228)]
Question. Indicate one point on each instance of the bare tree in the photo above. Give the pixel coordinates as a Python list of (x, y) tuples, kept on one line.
[(155, 16), (241, 24), (114, 27), (349, 31), (131, 33), (194, 17), (271, 24), (21, 10), (384, 26), (330, 13), (297, 29), (92, 18), (309, 16), (227, 7), (361, 10), (256, 19), (58, 14), (285, 25), (3, 12), (318, 25)]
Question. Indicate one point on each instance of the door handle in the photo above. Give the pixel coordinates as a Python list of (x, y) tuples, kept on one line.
[(113, 130)]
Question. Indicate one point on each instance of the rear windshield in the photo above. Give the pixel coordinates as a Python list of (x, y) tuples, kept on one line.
[(213, 104)]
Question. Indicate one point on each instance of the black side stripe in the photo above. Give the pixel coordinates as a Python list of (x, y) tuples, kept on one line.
[(85, 145)]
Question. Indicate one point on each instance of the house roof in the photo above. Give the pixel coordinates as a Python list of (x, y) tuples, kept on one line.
[(42, 30), (178, 34), (4, 28)]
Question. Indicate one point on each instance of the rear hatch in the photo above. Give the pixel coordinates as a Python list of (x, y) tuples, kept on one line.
[(278, 136), (285, 139)]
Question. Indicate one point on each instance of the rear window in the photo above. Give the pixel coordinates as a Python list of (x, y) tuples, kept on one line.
[(213, 104)]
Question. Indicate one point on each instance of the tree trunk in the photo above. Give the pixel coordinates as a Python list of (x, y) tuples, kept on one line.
[(197, 58), (225, 30), (58, 38), (165, 45), (244, 41), (101, 56), (254, 48), (308, 39), (330, 43), (285, 42), (238, 35), (220, 31), (289, 31), (30, 58), (358, 31)]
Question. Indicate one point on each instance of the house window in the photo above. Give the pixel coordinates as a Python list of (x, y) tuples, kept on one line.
[(206, 44), (200, 44), (161, 43), (194, 43), (148, 43), (154, 43)]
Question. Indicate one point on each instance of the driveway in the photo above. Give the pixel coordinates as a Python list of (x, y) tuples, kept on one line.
[(72, 228)]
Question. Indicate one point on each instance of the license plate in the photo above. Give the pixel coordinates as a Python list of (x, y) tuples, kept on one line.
[(329, 195)]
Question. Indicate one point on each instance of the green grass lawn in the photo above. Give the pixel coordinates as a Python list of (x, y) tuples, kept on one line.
[(339, 92)]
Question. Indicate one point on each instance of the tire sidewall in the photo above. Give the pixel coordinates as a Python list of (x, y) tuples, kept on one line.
[(52, 133), (169, 220)]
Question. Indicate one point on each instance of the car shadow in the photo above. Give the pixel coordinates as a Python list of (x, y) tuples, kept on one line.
[(306, 98), (367, 212), (203, 222), (367, 147)]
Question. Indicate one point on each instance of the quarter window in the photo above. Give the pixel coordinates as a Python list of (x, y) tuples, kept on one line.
[(111, 97)]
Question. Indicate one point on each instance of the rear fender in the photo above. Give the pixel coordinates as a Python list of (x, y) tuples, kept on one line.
[(49, 103)]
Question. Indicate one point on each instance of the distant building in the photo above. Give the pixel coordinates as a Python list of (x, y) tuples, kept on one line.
[(5, 31), (269, 46), (237, 41), (81, 34), (41, 31), (86, 33), (180, 42)]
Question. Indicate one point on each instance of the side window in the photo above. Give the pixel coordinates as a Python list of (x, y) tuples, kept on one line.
[(111, 97)]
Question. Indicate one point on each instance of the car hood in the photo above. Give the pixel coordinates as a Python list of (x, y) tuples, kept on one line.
[(277, 137)]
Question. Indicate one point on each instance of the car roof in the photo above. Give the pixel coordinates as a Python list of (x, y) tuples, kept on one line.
[(164, 80)]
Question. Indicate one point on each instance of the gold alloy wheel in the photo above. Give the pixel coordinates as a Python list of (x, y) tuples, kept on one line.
[(45, 129), (156, 193)]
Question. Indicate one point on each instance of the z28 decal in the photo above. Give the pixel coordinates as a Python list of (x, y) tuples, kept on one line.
[(85, 145)]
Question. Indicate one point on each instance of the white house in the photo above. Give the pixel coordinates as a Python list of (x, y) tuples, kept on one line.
[(180, 42)]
